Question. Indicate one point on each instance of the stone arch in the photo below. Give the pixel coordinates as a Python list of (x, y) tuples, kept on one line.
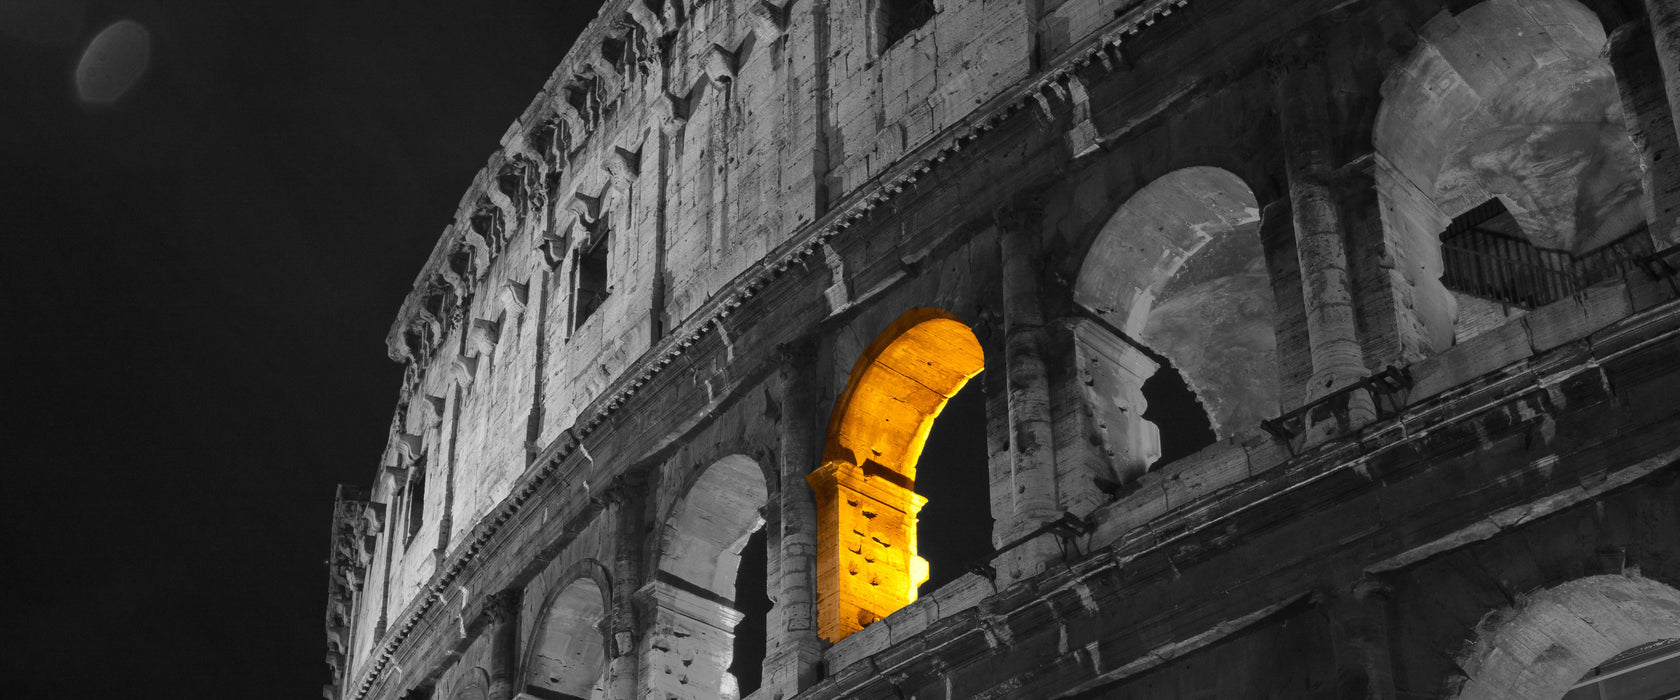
[(569, 650), (702, 537), (692, 595), (1507, 100), (867, 562), (1077, 209), (1179, 266), (1540, 648)]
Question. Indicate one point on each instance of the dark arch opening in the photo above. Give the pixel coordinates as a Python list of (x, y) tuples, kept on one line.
[(715, 525), (1175, 410), (954, 529), (751, 600), (868, 554)]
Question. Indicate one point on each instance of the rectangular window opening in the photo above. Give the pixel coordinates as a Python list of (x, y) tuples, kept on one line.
[(591, 274), (416, 504), (900, 17)]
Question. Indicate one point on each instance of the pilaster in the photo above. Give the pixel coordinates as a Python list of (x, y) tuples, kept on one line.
[(502, 612), (628, 498), (1650, 125), (795, 652), (1664, 16), (1032, 486)]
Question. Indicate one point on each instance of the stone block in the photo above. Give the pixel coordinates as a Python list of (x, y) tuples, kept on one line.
[(1213, 467), (1578, 316), (857, 648), (1473, 358), (961, 594)]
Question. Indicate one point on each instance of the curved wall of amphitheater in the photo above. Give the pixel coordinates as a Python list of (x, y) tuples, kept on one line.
[(1318, 349)]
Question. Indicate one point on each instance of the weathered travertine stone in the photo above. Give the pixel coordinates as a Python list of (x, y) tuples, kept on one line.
[(722, 221)]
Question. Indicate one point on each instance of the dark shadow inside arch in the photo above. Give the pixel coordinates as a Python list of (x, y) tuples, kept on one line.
[(1175, 410), (751, 579), (954, 529)]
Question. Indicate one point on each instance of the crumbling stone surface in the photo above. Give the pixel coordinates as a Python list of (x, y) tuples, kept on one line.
[(671, 311)]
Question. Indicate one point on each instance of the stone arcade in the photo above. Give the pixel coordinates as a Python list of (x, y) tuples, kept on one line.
[(1410, 264)]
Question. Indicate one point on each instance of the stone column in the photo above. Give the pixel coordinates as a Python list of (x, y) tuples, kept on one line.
[(1664, 16), (1650, 125), (1303, 97), (1032, 486), (502, 609), (628, 497), (795, 652)]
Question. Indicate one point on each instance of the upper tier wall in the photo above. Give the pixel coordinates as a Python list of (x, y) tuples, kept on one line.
[(694, 137)]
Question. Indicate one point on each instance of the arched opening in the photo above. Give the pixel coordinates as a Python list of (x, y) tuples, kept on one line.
[(695, 592), (568, 658), (1601, 637), (868, 565), (752, 601), (1178, 269), (1504, 163), (954, 528), (1170, 402)]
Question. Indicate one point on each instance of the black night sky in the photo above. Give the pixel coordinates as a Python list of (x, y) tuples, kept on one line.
[(197, 283)]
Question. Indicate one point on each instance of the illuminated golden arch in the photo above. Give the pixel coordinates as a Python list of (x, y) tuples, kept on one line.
[(867, 565)]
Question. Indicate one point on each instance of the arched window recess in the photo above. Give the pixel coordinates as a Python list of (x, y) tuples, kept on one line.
[(868, 565), (1177, 344), (1505, 171)]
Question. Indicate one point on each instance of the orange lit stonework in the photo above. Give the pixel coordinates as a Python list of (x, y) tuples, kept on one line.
[(867, 565)]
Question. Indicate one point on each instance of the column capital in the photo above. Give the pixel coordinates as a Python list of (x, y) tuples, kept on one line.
[(502, 606), (1297, 52), (626, 488), (798, 354), (1019, 215)]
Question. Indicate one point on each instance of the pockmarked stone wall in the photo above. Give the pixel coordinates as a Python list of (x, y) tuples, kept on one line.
[(1325, 349)]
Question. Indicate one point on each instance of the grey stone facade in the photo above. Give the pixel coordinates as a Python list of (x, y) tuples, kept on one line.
[(623, 355)]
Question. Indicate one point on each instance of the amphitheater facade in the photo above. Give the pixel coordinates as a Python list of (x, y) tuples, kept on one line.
[(1308, 349)]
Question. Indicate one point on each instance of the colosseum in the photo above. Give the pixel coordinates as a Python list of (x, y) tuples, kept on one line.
[(1236, 349)]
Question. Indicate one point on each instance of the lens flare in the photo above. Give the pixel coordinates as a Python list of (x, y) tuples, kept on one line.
[(113, 62)]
